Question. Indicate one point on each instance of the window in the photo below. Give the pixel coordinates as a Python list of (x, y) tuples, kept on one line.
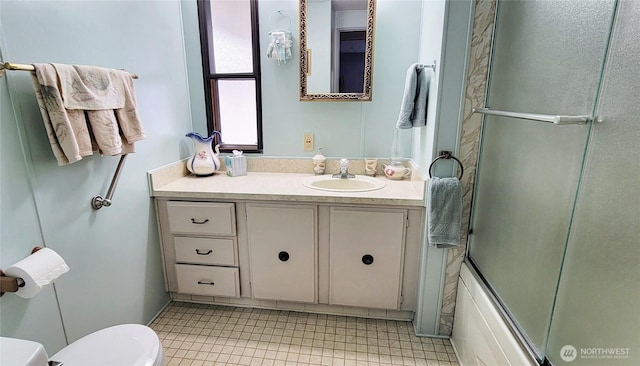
[(231, 66)]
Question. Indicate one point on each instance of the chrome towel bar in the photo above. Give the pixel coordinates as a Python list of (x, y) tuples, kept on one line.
[(432, 66), (555, 119), (98, 201)]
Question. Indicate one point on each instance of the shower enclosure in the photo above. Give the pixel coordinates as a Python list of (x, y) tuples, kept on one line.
[(555, 227)]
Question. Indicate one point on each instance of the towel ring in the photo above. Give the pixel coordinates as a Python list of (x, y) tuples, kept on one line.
[(447, 155)]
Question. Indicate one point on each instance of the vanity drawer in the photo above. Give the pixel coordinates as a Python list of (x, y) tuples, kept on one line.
[(208, 281), (205, 251), (204, 218)]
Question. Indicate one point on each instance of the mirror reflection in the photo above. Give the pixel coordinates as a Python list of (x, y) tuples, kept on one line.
[(336, 53)]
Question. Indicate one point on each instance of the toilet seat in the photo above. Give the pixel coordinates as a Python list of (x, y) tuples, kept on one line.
[(125, 345)]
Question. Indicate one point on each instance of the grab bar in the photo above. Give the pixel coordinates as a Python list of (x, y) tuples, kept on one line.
[(98, 201), (555, 119)]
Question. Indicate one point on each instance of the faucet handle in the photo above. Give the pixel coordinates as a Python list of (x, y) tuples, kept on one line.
[(344, 164)]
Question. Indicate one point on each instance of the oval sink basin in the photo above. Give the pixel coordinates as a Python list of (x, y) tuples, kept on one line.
[(360, 183)]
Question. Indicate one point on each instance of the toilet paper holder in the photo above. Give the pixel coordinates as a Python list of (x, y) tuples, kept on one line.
[(10, 283)]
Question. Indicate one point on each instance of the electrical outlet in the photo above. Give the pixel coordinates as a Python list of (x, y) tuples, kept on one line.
[(307, 141)]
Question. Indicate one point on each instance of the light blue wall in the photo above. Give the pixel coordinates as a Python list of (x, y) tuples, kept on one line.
[(19, 233), (114, 255), (342, 129), (432, 259), (445, 35)]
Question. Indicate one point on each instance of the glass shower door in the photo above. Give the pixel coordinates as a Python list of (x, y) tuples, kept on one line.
[(547, 59), (596, 319)]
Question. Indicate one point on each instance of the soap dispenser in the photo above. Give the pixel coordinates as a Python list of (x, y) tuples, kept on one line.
[(319, 162)]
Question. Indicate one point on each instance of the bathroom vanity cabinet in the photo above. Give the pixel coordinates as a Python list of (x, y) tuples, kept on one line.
[(266, 240), (320, 256)]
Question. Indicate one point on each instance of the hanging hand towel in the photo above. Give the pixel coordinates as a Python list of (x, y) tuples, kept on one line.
[(280, 40), (279, 46), (87, 109), (67, 129), (90, 87), (101, 92), (444, 212), (413, 110)]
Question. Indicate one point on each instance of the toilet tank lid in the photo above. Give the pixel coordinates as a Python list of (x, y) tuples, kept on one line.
[(21, 352), (127, 344)]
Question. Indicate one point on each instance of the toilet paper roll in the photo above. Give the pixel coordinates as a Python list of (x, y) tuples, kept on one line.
[(37, 270)]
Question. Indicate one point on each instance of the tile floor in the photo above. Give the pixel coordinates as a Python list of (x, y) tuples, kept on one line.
[(198, 334)]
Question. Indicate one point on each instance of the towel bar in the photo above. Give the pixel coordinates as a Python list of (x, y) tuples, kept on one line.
[(555, 119), (21, 67), (98, 201), (447, 155), (429, 66)]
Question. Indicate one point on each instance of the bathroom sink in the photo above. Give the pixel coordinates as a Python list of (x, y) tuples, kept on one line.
[(361, 183)]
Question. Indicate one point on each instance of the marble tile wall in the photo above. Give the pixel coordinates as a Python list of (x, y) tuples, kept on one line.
[(484, 14)]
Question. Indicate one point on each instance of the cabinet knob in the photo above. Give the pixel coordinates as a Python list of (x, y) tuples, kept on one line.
[(193, 221), (367, 259), (204, 253), (283, 256)]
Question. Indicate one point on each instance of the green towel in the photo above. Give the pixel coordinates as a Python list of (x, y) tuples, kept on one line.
[(444, 212), (413, 109)]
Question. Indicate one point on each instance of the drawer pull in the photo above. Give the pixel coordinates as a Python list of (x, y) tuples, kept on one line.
[(283, 256), (367, 259), (193, 221), (201, 253), (206, 283)]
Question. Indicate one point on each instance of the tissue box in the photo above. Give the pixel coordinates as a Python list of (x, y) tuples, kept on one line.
[(236, 165)]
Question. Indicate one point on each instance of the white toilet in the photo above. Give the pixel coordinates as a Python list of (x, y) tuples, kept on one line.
[(120, 345)]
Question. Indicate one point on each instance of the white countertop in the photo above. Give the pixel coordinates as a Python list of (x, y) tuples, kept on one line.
[(263, 186)]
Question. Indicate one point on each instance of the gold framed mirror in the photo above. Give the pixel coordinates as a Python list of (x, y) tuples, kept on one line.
[(336, 49)]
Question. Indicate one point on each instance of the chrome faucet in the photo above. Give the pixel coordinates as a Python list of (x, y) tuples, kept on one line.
[(344, 170)]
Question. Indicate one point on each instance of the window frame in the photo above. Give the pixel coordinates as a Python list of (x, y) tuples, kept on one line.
[(210, 78)]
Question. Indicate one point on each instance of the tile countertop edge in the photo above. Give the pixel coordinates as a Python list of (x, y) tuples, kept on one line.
[(289, 198), (171, 181)]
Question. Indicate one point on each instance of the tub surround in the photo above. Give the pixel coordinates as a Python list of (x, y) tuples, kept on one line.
[(265, 240), (476, 83)]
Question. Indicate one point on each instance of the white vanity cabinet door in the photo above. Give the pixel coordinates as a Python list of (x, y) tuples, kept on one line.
[(366, 255), (282, 251)]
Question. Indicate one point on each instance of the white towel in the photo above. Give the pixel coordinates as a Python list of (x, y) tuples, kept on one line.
[(413, 110), (99, 113), (67, 130), (128, 119), (90, 87)]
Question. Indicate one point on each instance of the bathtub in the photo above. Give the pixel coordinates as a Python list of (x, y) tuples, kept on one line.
[(481, 336)]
